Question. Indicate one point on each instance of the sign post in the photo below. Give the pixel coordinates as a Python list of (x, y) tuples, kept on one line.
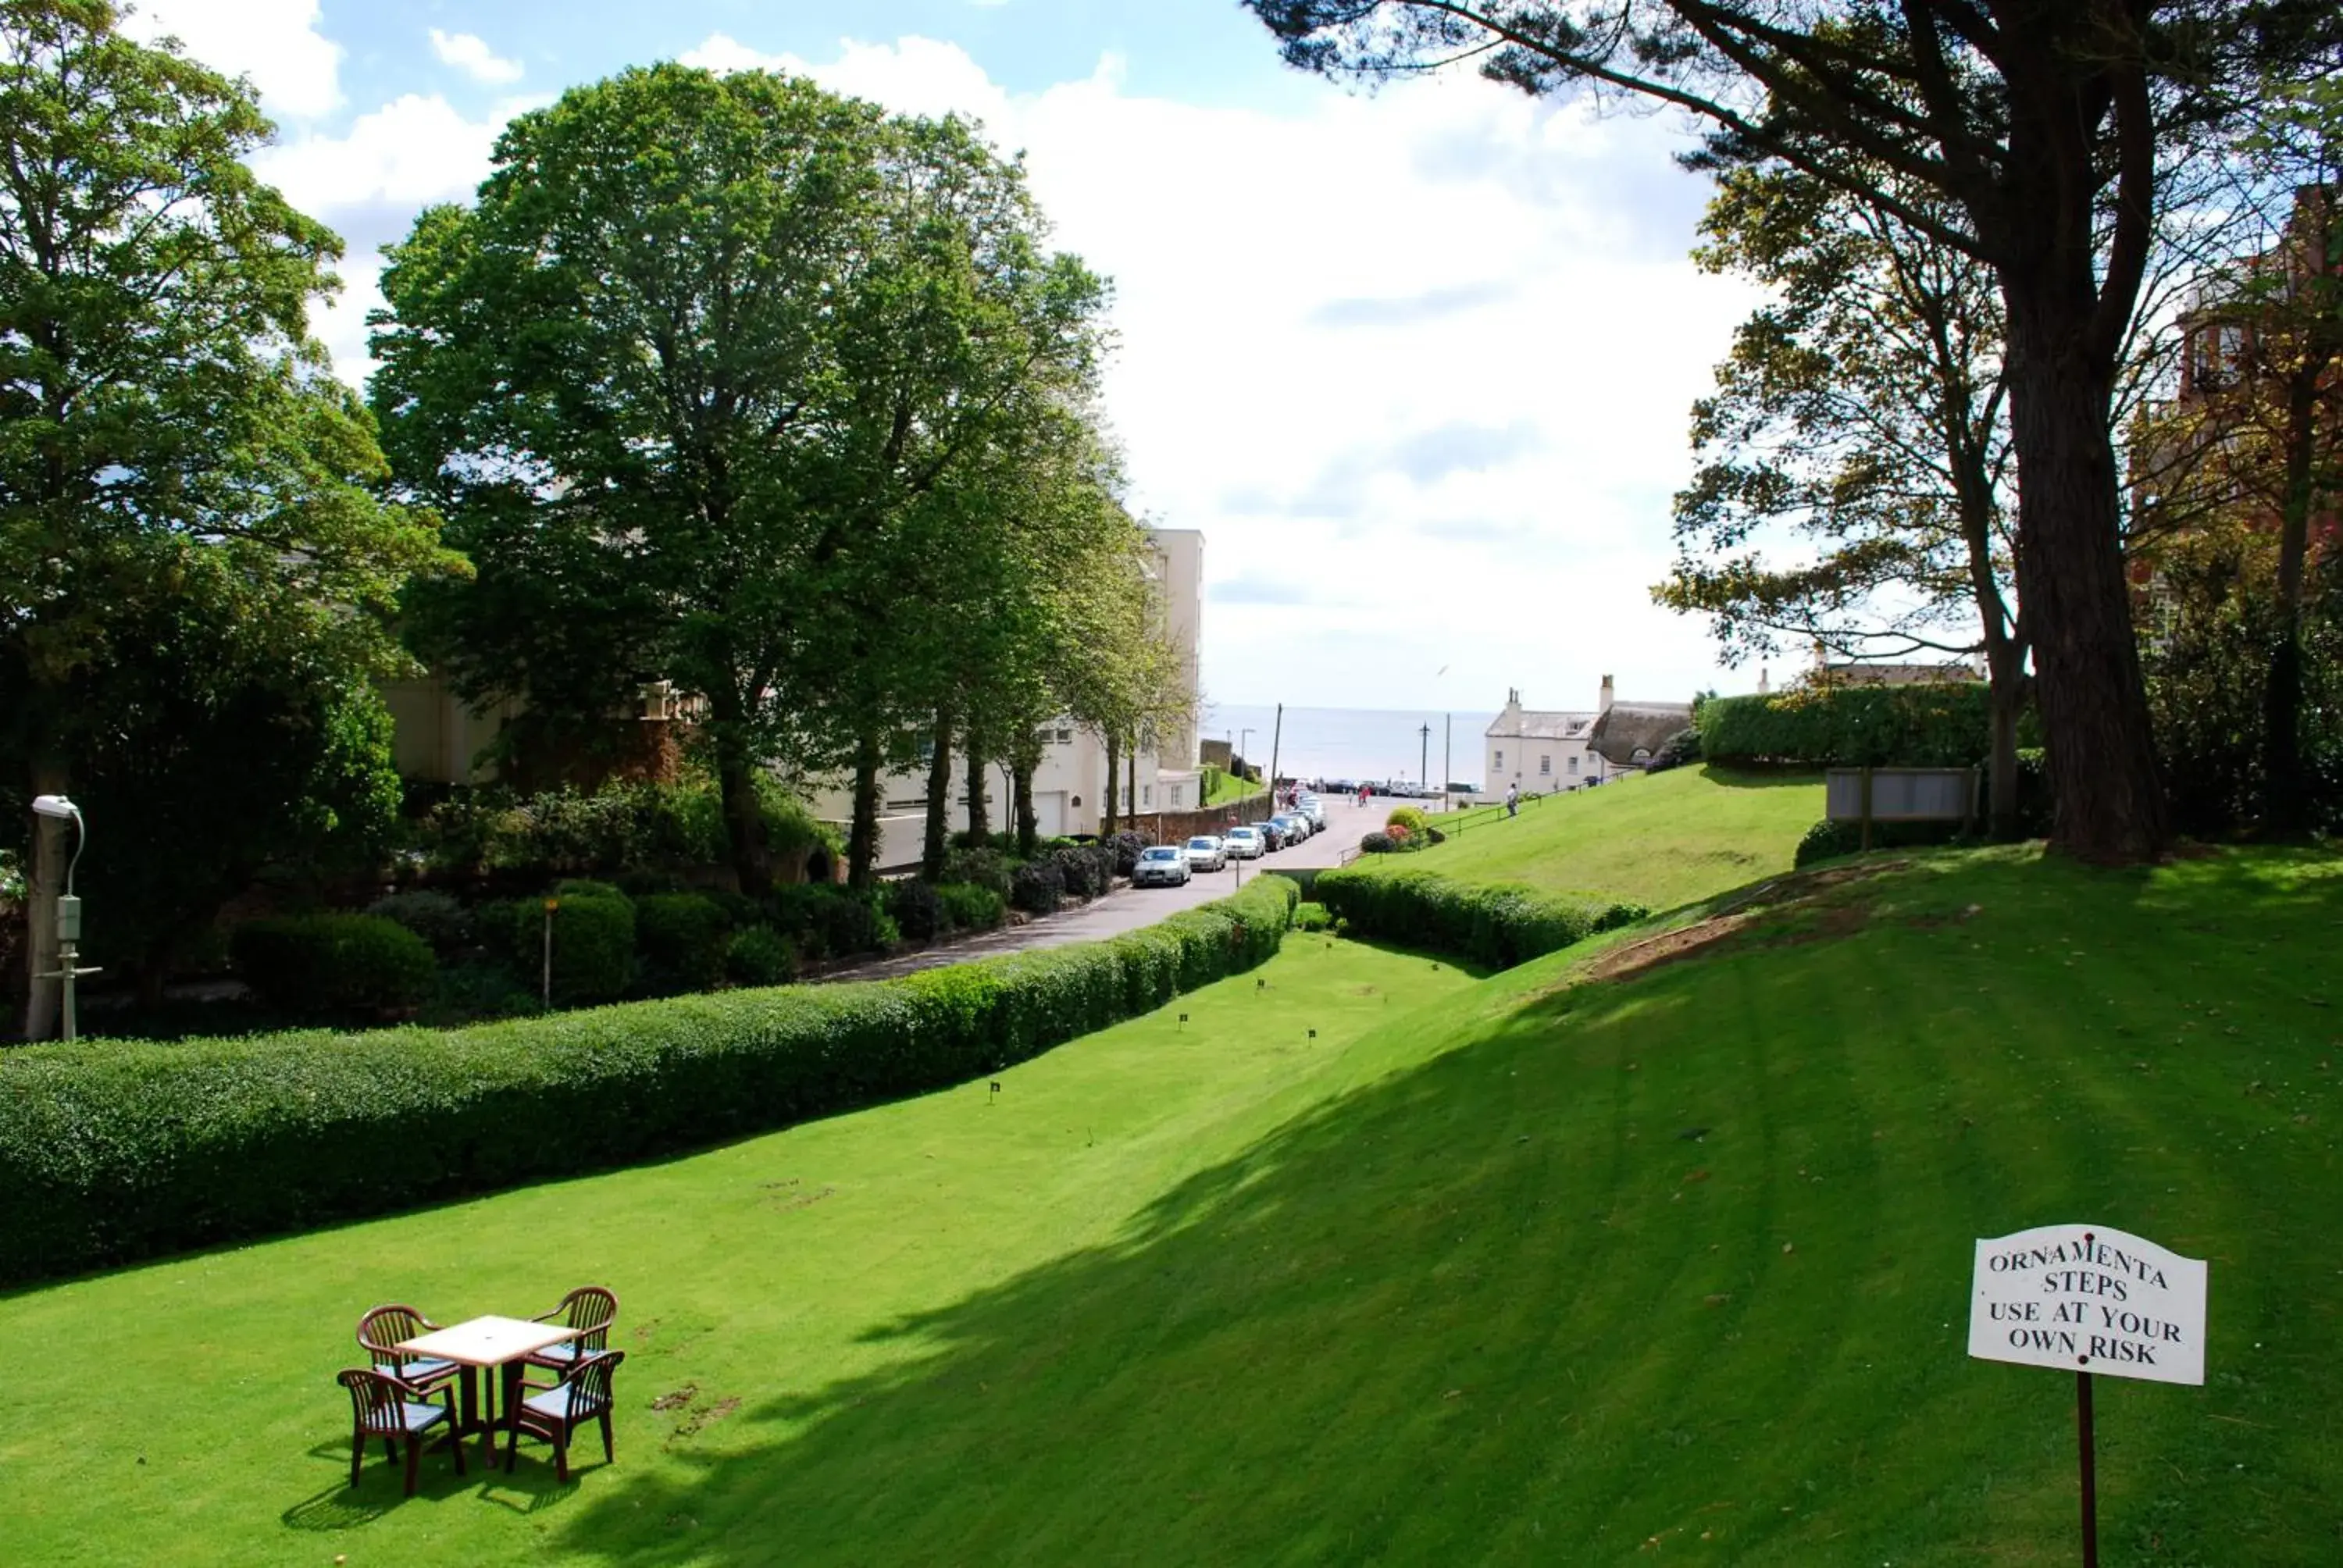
[(2093, 1299)]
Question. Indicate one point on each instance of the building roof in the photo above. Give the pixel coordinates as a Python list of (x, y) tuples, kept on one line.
[(1627, 727), (1531, 724), (1894, 674)]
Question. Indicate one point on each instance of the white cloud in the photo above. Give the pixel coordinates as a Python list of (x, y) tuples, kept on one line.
[(1432, 351), (274, 42), (470, 54)]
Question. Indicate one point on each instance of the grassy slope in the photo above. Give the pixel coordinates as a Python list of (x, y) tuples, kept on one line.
[(1663, 840), (1462, 1288)]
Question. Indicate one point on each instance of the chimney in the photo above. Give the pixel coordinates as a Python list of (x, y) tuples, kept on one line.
[(1606, 694)]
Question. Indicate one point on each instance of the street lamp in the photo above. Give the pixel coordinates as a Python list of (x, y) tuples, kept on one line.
[(68, 906)]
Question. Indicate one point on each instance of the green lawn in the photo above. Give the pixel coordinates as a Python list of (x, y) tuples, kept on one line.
[(1663, 840), (1543, 1270), (1222, 788)]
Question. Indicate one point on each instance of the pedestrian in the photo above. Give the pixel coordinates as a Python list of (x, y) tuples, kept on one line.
[(1513, 799)]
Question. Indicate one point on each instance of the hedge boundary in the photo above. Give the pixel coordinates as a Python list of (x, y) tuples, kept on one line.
[(113, 1151), (1497, 924), (1938, 725)]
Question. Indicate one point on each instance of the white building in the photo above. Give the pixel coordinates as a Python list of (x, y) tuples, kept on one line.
[(1541, 750)]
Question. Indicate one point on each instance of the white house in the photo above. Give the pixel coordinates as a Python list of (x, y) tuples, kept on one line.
[(1540, 750)]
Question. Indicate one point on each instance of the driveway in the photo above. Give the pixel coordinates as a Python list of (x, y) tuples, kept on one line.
[(1128, 908)]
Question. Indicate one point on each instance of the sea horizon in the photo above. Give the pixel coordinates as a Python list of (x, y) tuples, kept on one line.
[(1381, 745)]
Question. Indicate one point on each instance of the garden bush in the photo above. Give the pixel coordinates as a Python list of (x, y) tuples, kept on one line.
[(1085, 871), (683, 939), (1377, 844), (619, 827), (1827, 840), (442, 923), (1500, 926), (1676, 750), (918, 913), (1312, 916), (1930, 725), (333, 963), (593, 941), (1411, 822), (986, 868), (822, 919), (1126, 846), (1037, 886), (759, 955), (970, 907), (115, 1151)]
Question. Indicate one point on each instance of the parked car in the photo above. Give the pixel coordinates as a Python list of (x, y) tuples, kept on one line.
[(1273, 836), (1164, 864), (1313, 808), (1242, 844), (1206, 853), (1296, 825)]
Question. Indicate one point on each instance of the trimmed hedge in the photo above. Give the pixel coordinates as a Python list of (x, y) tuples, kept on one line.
[(333, 963), (115, 1151), (1947, 725), (1498, 925)]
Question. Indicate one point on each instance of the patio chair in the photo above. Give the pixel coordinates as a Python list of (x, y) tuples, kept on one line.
[(379, 1333), (382, 1406), (589, 1309), (556, 1413)]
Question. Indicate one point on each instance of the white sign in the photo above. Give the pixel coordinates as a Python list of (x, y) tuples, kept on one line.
[(2085, 1298)]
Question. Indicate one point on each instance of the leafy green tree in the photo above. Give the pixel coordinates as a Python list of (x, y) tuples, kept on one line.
[(2042, 128), (1863, 413), (676, 381), (174, 453)]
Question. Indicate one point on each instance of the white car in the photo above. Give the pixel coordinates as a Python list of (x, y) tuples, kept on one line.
[(1165, 864), (1312, 808), (1206, 853), (1242, 844)]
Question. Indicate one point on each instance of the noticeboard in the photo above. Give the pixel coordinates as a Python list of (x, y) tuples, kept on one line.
[(2086, 1298)]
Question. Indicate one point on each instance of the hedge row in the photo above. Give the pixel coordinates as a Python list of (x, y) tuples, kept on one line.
[(1934, 725), (113, 1150), (1498, 925)]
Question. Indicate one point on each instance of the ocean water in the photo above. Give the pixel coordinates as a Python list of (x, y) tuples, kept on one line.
[(1380, 744)]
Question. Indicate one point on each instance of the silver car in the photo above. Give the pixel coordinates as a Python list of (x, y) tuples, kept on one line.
[(1206, 853), (1165, 865)]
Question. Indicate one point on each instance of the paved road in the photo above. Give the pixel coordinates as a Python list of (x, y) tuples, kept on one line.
[(1128, 908)]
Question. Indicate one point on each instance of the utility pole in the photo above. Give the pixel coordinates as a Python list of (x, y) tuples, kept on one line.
[(1424, 757), (1276, 738), (1447, 759)]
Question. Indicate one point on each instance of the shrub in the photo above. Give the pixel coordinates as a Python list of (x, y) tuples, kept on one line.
[(822, 920), (986, 868), (683, 939), (619, 827), (1376, 843), (593, 941), (1500, 926), (1085, 871), (1036, 886), (333, 963), (1677, 749), (115, 1151), (1410, 822), (970, 907), (1310, 915), (1827, 840), (442, 923), (918, 913), (759, 955), (1127, 846), (1933, 726)]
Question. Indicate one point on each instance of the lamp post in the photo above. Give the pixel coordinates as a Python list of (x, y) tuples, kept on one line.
[(68, 908)]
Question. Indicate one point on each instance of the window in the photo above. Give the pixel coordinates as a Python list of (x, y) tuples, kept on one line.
[(1499, 764), (1147, 794), (1545, 766), (1573, 765), (1176, 791), (1065, 737)]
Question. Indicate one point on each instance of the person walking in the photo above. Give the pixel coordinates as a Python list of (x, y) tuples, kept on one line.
[(1513, 799)]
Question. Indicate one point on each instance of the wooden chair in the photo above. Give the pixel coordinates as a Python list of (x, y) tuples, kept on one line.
[(382, 1406), (556, 1413), (589, 1309), (379, 1333)]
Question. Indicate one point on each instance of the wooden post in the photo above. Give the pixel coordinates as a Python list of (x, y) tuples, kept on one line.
[(2090, 1469)]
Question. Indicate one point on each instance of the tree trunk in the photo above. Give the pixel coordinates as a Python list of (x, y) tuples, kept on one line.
[(2285, 804), (1130, 785), (938, 836), (1113, 768), (862, 837), (979, 803), (744, 811), (2109, 803), (2006, 698), (1020, 792), (45, 879)]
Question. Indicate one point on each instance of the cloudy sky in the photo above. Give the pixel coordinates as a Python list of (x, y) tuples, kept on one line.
[(1418, 363)]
